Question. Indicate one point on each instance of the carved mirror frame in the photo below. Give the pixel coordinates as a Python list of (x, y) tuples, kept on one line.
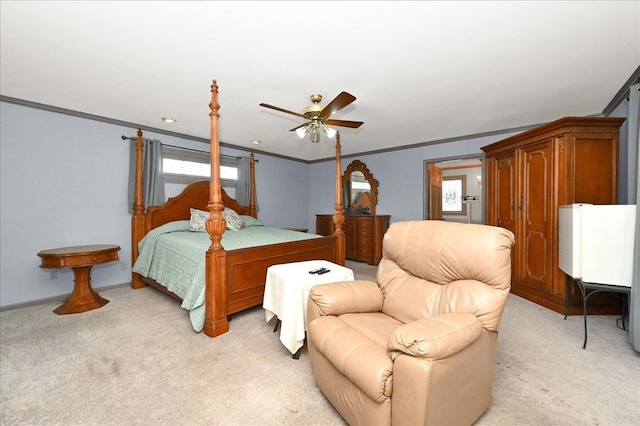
[(357, 165)]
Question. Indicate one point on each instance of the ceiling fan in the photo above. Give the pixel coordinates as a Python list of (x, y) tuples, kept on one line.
[(318, 116)]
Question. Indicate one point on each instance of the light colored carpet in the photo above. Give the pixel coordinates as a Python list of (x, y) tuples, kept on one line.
[(136, 361)]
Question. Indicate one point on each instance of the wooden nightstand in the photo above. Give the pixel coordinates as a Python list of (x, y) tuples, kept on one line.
[(81, 259)]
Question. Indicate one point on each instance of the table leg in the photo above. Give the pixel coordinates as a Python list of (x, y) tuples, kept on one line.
[(297, 354), (584, 312), (624, 306), (567, 294), (83, 298)]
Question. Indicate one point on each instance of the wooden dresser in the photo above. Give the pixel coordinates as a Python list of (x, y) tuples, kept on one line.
[(363, 235), (529, 176)]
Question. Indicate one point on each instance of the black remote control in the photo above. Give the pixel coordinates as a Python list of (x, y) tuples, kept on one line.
[(324, 271), (318, 271)]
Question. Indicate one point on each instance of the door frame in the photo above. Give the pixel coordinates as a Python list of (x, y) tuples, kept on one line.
[(425, 181)]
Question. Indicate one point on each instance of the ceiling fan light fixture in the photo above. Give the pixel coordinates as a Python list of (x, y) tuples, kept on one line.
[(331, 133), (301, 131), (315, 135)]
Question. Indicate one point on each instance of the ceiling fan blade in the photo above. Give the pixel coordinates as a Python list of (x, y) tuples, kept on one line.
[(281, 110), (297, 127), (340, 101), (344, 123)]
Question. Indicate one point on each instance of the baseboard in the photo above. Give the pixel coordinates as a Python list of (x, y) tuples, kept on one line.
[(59, 298)]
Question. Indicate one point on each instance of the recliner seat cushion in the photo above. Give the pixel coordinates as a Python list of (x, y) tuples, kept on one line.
[(356, 344)]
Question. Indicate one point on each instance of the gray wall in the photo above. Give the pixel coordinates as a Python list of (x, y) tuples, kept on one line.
[(64, 183), (400, 175), (627, 157)]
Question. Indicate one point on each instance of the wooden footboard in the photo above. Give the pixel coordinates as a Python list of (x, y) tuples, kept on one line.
[(247, 268)]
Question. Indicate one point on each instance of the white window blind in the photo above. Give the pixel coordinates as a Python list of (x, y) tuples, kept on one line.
[(185, 166)]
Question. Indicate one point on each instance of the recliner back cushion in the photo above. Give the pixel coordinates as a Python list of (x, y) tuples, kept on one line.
[(426, 265), (406, 297)]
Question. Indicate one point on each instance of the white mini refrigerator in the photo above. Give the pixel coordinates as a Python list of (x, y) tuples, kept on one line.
[(596, 243)]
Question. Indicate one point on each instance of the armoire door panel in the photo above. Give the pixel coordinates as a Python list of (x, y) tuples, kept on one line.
[(537, 265), (595, 168), (506, 192), (536, 208), (503, 211), (535, 199)]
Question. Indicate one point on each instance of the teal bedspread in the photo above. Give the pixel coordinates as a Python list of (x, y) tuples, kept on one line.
[(174, 256)]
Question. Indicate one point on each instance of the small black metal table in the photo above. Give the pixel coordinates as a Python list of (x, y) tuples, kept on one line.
[(597, 288)]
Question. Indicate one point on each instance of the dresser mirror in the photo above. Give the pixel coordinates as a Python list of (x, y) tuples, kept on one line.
[(360, 189)]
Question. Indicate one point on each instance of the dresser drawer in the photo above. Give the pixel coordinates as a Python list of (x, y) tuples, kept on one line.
[(366, 249), (365, 241), (365, 222), (365, 231), (363, 235), (349, 232), (323, 230), (324, 225)]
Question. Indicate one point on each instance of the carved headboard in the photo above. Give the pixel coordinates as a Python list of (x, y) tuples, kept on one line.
[(196, 196)]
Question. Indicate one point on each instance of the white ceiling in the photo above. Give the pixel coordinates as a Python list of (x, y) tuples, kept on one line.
[(421, 71)]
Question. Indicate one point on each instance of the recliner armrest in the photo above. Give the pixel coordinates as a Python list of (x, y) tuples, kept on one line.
[(436, 337), (347, 297)]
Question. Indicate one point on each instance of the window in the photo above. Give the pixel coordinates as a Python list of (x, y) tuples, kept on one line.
[(452, 189), (186, 166)]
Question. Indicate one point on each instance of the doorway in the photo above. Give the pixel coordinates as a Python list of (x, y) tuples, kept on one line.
[(454, 189)]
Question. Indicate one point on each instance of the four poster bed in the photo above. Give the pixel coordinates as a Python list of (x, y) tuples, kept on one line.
[(232, 279)]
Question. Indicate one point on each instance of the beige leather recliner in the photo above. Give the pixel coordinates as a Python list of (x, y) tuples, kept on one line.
[(417, 348)]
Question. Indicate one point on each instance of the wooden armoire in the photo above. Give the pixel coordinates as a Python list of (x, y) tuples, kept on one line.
[(529, 176)]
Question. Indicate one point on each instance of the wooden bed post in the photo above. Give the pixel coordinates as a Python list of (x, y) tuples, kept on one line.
[(252, 187), (215, 322), (338, 217), (138, 220)]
